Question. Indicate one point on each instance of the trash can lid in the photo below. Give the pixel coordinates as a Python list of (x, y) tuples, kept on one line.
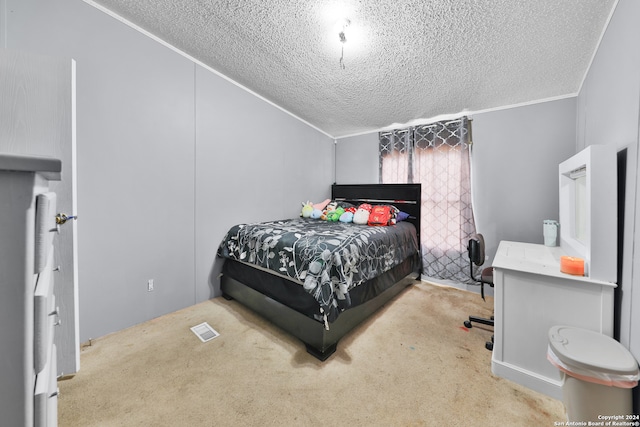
[(591, 350)]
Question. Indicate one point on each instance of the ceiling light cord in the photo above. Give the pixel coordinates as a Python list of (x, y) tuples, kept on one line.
[(343, 40)]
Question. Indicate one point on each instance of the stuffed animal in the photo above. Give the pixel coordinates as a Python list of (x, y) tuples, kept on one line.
[(334, 215), (320, 206), (332, 206), (381, 215), (307, 210), (347, 216), (316, 214), (362, 214)]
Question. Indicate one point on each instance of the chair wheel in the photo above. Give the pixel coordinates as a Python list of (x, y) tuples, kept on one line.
[(489, 346), (467, 324)]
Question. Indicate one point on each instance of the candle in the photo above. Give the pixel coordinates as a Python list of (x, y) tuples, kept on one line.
[(572, 265)]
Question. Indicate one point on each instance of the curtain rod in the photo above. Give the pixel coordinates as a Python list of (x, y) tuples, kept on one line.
[(446, 123)]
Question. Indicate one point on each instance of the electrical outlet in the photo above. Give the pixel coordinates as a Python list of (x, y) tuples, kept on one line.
[(150, 285)]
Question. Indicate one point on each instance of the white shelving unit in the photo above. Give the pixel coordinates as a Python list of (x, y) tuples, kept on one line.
[(532, 294)]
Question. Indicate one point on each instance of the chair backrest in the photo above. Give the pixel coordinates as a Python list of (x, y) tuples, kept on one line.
[(476, 249)]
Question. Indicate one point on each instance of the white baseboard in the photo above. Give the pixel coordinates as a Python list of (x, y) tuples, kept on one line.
[(536, 382)]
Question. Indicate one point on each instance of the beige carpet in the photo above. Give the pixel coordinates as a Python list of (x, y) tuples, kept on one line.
[(411, 364)]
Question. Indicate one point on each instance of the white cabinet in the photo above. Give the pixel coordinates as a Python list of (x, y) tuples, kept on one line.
[(531, 296), (28, 313)]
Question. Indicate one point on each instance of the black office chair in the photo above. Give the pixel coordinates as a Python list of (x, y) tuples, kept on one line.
[(475, 249)]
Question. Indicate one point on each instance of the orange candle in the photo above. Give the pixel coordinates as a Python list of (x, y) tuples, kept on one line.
[(572, 265)]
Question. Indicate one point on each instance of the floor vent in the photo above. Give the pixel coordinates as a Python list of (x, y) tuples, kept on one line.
[(204, 332)]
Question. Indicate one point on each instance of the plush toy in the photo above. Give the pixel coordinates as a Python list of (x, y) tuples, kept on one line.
[(382, 215), (334, 215), (332, 206), (362, 214), (320, 206), (347, 216), (307, 209)]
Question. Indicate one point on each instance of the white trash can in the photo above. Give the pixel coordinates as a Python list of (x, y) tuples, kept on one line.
[(598, 374)]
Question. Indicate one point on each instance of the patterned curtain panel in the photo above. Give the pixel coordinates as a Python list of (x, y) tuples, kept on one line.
[(437, 156), (396, 157)]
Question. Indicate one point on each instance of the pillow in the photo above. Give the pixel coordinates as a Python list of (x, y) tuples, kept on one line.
[(402, 216)]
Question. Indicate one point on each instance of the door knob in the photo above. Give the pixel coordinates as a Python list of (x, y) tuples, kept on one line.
[(61, 218)]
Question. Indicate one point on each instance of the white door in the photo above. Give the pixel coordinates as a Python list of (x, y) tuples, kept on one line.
[(37, 116)]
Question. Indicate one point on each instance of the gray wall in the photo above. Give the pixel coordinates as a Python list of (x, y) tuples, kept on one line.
[(608, 113), (515, 160), (357, 159), (253, 163), (169, 156)]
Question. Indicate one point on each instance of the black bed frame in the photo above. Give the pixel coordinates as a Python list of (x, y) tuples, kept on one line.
[(319, 341)]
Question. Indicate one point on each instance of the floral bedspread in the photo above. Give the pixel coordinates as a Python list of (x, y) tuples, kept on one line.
[(329, 258)]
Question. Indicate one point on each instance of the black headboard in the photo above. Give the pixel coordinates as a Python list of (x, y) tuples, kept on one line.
[(406, 197)]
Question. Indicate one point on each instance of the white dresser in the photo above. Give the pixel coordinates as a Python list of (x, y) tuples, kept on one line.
[(531, 296), (28, 313)]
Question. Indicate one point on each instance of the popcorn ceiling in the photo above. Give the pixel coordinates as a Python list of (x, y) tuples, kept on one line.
[(404, 60)]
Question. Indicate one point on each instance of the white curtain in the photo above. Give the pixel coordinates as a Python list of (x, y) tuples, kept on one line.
[(437, 156)]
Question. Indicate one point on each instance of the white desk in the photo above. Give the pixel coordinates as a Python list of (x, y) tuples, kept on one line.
[(531, 296)]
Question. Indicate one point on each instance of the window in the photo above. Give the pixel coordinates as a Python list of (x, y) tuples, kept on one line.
[(437, 156)]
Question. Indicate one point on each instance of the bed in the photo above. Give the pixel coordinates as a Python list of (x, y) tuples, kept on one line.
[(318, 279)]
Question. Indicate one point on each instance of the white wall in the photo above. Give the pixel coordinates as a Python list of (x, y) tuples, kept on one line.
[(608, 113), (169, 156)]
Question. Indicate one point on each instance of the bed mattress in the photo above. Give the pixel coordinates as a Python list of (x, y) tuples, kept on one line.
[(293, 295), (327, 260)]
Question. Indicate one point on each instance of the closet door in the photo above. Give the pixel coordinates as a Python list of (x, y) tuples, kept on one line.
[(37, 117)]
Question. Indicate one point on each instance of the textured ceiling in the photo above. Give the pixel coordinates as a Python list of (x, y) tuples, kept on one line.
[(404, 61)]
